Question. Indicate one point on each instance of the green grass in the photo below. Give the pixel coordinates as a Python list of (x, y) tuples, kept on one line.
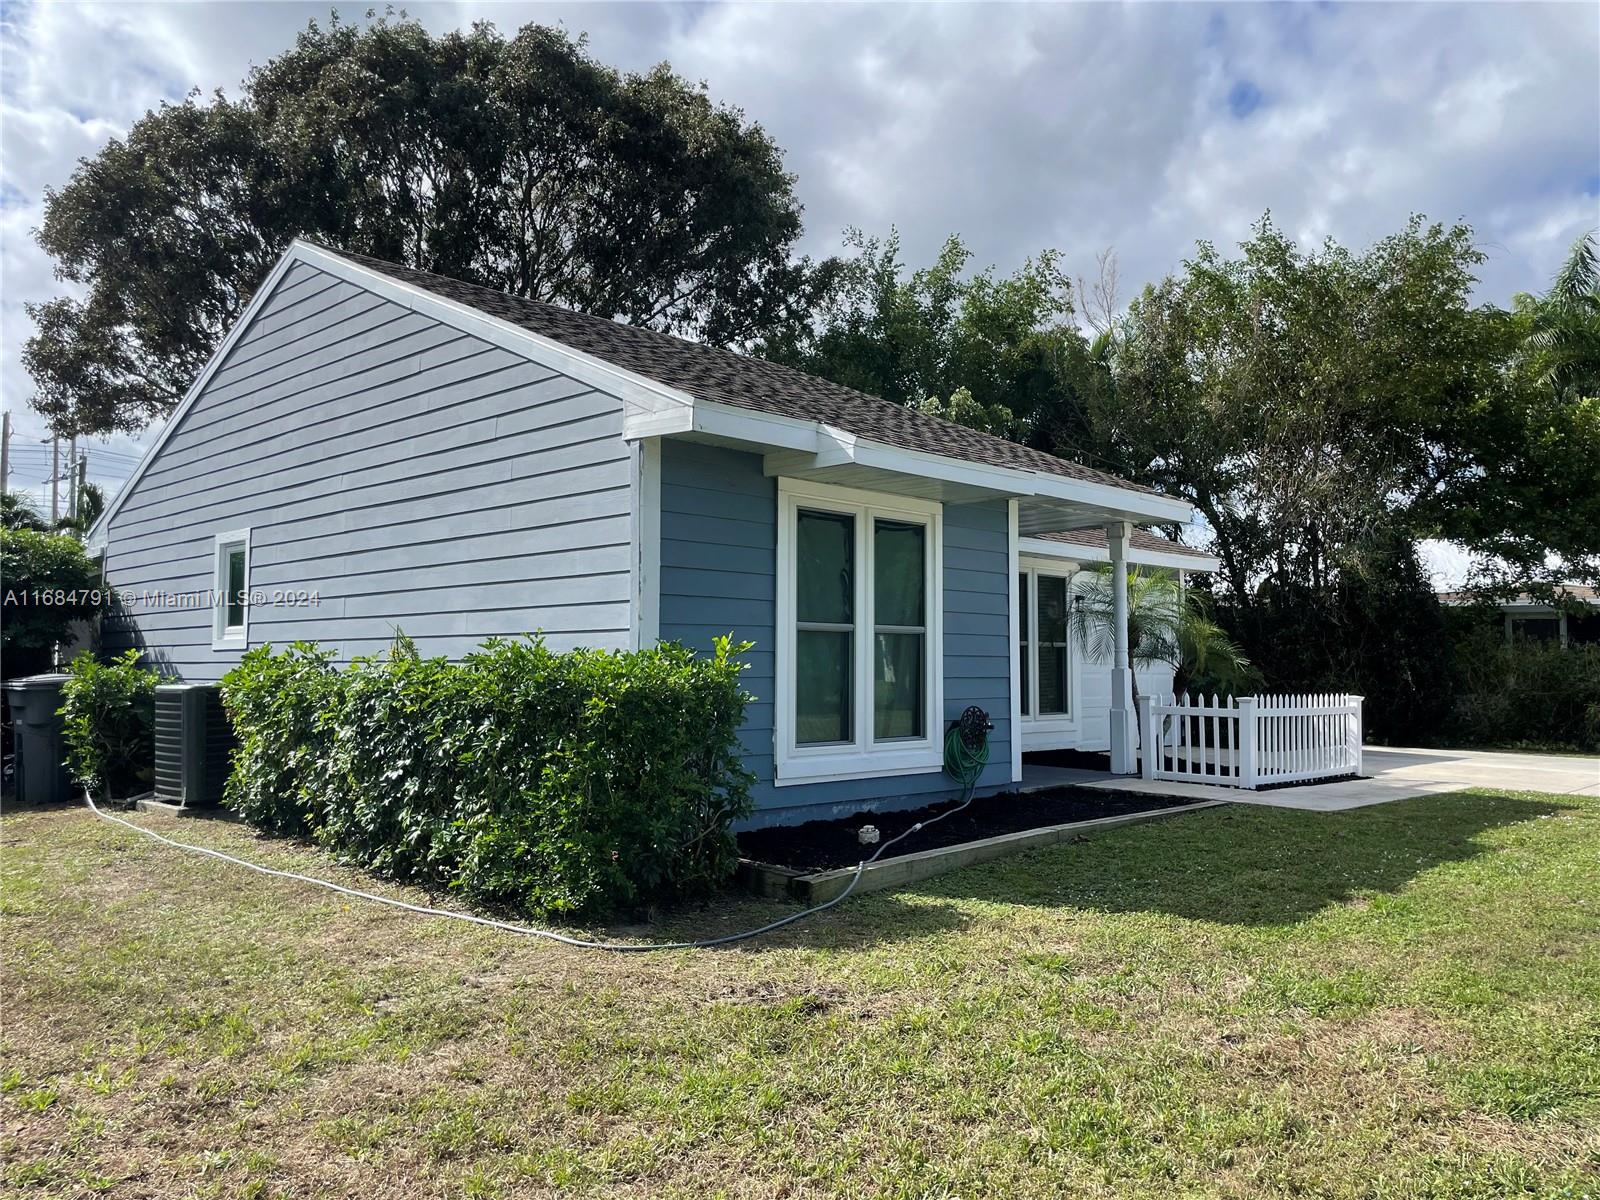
[(1401, 1001)]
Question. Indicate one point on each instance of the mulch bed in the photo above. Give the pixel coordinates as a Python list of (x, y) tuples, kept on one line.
[(824, 845)]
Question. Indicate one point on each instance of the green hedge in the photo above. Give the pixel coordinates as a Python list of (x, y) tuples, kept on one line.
[(109, 719), (1530, 694), (49, 583), (560, 783)]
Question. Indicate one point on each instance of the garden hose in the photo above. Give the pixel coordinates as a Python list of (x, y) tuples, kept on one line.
[(966, 751)]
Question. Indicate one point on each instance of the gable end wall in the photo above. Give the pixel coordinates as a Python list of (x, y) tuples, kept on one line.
[(412, 476)]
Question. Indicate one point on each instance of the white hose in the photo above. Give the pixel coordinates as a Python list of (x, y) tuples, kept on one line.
[(529, 930)]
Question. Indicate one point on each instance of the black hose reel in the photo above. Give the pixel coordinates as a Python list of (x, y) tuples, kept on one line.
[(974, 725), (966, 746)]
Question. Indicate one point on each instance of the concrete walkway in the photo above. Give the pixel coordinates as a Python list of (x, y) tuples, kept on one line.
[(1395, 774)]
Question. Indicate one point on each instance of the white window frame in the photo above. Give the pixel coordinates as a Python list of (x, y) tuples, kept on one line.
[(1033, 723), (223, 637), (864, 757)]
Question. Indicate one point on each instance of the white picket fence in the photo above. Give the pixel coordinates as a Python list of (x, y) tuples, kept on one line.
[(1250, 741)]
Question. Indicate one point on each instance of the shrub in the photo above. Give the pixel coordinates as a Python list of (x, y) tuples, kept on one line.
[(392, 773), (50, 583), (567, 783), (279, 706), (109, 710), (1526, 694)]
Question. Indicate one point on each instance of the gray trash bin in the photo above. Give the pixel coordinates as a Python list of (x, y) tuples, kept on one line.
[(41, 774)]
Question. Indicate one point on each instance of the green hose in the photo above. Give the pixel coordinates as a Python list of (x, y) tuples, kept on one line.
[(963, 763)]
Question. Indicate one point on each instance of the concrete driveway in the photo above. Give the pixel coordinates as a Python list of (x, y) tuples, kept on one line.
[(1395, 774), (1399, 773)]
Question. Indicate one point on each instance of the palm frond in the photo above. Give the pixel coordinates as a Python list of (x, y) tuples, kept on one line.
[(1577, 283), (1167, 626)]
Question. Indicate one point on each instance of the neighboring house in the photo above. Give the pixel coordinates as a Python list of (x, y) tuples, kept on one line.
[(375, 447), (1575, 621)]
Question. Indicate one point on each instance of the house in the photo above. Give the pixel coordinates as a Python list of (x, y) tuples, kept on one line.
[(375, 447), (1572, 618)]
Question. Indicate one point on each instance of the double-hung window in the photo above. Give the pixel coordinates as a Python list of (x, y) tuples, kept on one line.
[(231, 590), (858, 669), (1044, 603)]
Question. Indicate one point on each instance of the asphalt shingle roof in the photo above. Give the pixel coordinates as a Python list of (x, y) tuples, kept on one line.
[(722, 376)]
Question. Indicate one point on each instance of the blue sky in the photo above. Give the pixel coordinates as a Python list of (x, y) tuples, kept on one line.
[(1076, 126)]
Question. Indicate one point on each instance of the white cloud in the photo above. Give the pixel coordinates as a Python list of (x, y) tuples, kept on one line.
[(1019, 127)]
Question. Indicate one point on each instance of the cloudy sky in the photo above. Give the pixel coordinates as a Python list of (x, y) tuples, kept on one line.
[(1079, 126)]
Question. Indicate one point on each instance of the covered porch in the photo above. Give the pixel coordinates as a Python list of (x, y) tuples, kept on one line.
[(1041, 504)]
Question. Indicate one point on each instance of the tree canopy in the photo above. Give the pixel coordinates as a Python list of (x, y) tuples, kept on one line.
[(999, 353), (519, 163)]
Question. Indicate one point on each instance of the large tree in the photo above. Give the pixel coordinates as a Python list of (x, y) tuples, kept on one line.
[(1312, 404), (999, 353), (519, 163), (1535, 514)]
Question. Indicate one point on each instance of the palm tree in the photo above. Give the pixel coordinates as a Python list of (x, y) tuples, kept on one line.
[(1167, 626), (1563, 344)]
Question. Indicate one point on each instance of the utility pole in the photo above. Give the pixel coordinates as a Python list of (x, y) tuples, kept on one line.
[(72, 478), (83, 482), (55, 479), (5, 452)]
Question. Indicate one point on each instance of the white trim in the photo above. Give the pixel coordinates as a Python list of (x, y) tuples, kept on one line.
[(653, 409), (862, 758), (634, 390), (1055, 730), (1014, 619), (637, 393), (1045, 548), (647, 549), (757, 428), (95, 539), (222, 544)]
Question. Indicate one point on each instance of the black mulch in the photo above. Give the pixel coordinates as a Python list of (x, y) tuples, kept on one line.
[(823, 845)]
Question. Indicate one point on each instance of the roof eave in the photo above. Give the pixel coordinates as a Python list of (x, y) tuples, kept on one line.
[(797, 447), (1174, 560)]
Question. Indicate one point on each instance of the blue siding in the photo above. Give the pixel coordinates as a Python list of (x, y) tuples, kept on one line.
[(719, 540), (411, 475)]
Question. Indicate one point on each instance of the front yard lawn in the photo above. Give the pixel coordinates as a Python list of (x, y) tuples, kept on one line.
[(1401, 1001)]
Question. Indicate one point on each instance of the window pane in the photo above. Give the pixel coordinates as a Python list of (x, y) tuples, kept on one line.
[(897, 691), (825, 583), (1052, 609), (236, 588), (1024, 647), (1052, 678), (822, 687), (897, 573)]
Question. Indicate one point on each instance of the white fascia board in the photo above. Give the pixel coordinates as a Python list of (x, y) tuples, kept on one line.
[(640, 396), (837, 448), (1000, 480), (1044, 548), (1140, 506), (95, 539), (637, 392), (758, 428)]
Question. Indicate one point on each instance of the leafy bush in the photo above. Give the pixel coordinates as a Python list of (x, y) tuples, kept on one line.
[(50, 583), (567, 783), (109, 711), (1378, 632), (279, 706), (1526, 694)]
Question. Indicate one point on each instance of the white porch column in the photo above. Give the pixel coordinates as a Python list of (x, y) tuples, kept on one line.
[(1124, 738)]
